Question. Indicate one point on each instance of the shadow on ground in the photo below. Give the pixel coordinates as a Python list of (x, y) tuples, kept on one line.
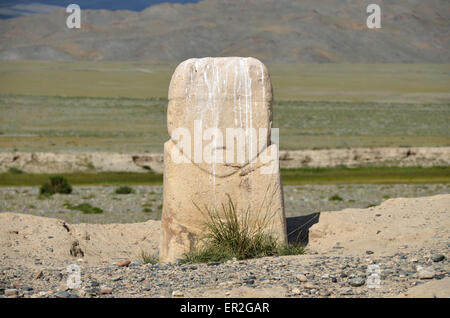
[(298, 228)]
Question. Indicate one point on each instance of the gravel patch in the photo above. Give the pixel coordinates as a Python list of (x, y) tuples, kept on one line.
[(310, 275)]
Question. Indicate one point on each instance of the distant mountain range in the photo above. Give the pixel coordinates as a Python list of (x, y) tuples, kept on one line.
[(285, 31), (14, 8)]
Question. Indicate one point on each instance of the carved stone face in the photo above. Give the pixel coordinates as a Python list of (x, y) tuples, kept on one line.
[(221, 93)]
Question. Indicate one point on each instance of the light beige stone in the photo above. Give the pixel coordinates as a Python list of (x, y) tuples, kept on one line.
[(222, 93)]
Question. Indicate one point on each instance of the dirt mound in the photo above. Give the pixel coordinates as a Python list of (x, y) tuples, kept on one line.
[(401, 222), (27, 240), (433, 289)]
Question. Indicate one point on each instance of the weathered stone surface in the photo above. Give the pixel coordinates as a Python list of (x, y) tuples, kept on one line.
[(222, 93)]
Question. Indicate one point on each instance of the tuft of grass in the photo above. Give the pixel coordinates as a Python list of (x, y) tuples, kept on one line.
[(14, 170), (290, 249), (335, 198), (56, 184), (148, 258), (124, 190), (44, 196), (147, 210), (86, 208), (234, 234)]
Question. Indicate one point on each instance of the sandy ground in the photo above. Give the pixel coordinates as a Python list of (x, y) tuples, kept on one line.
[(115, 162), (25, 238), (414, 222), (397, 224)]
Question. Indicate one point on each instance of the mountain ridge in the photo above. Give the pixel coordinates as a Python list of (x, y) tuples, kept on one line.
[(275, 31)]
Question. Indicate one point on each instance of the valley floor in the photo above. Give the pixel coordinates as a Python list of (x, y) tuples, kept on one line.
[(145, 203)]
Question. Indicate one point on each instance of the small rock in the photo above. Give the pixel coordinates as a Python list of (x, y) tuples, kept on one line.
[(92, 291), (296, 291), (346, 291), (356, 282), (310, 286), (106, 290), (302, 278), (437, 258), (215, 263), (324, 293), (124, 263), (369, 252), (62, 294), (177, 293), (11, 292), (425, 273)]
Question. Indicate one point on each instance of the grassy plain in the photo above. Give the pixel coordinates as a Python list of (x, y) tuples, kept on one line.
[(52, 124), (307, 82), (121, 107), (378, 175)]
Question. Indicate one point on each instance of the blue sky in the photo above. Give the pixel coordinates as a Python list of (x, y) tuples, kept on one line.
[(13, 8)]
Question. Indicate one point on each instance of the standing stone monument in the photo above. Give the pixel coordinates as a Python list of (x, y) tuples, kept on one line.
[(219, 120)]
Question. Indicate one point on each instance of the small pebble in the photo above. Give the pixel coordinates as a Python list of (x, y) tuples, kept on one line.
[(177, 293), (124, 263), (437, 258), (357, 282), (11, 292), (106, 290)]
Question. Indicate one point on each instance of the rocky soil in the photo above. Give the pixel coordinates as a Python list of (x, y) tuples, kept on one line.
[(403, 242), (146, 201), (299, 276)]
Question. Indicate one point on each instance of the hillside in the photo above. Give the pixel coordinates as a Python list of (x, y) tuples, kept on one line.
[(275, 31)]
